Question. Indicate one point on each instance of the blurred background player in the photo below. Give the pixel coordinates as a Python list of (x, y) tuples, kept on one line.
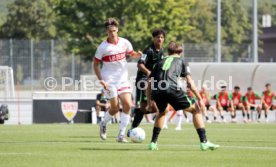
[(249, 101), (114, 76), (205, 95), (169, 70), (267, 101), (181, 113), (151, 55), (223, 102), (237, 103), (102, 105)]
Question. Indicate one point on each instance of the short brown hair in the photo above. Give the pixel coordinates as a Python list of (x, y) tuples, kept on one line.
[(111, 22), (174, 48)]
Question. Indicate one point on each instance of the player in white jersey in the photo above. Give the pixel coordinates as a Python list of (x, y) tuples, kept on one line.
[(114, 76)]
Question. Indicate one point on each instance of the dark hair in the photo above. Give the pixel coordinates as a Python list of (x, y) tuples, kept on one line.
[(174, 48), (111, 22), (223, 87), (249, 88), (237, 87), (158, 31), (267, 85)]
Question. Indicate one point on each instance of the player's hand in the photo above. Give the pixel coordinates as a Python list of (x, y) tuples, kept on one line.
[(104, 84), (149, 107), (139, 53)]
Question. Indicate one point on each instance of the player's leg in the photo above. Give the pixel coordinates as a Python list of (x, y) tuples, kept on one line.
[(98, 109), (200, 128), (179, 116), (205, 112), (233, 110), (214, 110), (114, 108), (220, 110), (247, 111), (125, 115), (172, 115), (266, 113), (159, 122)]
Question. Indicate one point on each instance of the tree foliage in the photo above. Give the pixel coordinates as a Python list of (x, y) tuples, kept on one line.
[(84, 21), (30, 20)]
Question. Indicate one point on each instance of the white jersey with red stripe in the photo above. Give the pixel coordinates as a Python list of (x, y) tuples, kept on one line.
[(113, 57)]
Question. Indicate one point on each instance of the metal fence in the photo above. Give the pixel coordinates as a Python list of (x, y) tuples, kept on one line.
[(33, 61)]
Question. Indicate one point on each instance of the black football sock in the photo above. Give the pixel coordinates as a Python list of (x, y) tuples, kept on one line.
[(202, 135), (155, 134), (222, 117), (138, 117), (215, 118), (259, 116), (265, 116), (232, 116), (207, 118), (243, 114), (248, 116)]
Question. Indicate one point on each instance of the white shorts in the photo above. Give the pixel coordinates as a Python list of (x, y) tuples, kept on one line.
[(115, 90)]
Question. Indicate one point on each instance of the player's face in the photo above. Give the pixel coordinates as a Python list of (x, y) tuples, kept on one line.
[(112, 32), (268, 88), (237, 90), (158, 40)]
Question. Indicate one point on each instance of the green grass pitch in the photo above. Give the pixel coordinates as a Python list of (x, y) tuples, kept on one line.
[(79, 145)]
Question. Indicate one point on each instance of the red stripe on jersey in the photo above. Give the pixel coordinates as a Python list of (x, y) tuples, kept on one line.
[(97, 60), (115, 57), (123, 88)]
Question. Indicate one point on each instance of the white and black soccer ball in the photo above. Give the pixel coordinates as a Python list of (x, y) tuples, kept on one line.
[(137, 135)]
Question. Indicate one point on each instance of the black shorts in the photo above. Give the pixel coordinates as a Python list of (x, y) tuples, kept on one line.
[(225, 108), (207, 106), (140, 91), (179, 100), (253, 108)]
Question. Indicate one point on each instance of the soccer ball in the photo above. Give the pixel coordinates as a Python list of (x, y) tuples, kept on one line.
[(137, 135)]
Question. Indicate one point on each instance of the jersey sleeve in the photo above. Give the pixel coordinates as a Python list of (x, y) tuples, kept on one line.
[(185, 69), (129, 48), (144, 58), (230, 96), (244, 99), (98, 54), (256, 95)]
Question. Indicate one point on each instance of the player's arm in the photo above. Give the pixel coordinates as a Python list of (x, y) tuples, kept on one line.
[(96, 66), (148, 94), (141, 63), (98, 103), (217, 98), (263, 100), (134, 54), (230, 98)]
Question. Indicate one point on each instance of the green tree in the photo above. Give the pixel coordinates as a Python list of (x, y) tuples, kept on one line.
[(82, 21), (236, 28), (29, 19)]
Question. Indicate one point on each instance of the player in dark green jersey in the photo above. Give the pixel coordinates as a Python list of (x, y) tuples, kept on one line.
[(151, 55), (164, 89)]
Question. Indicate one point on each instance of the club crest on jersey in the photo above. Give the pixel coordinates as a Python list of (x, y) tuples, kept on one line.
[(69, 110)]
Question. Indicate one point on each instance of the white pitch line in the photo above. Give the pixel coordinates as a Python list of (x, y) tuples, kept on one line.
[(141, 144)]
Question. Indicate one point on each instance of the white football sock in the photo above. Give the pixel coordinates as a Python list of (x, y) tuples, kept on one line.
[(125, 118), (107, 118), (179, 116)]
